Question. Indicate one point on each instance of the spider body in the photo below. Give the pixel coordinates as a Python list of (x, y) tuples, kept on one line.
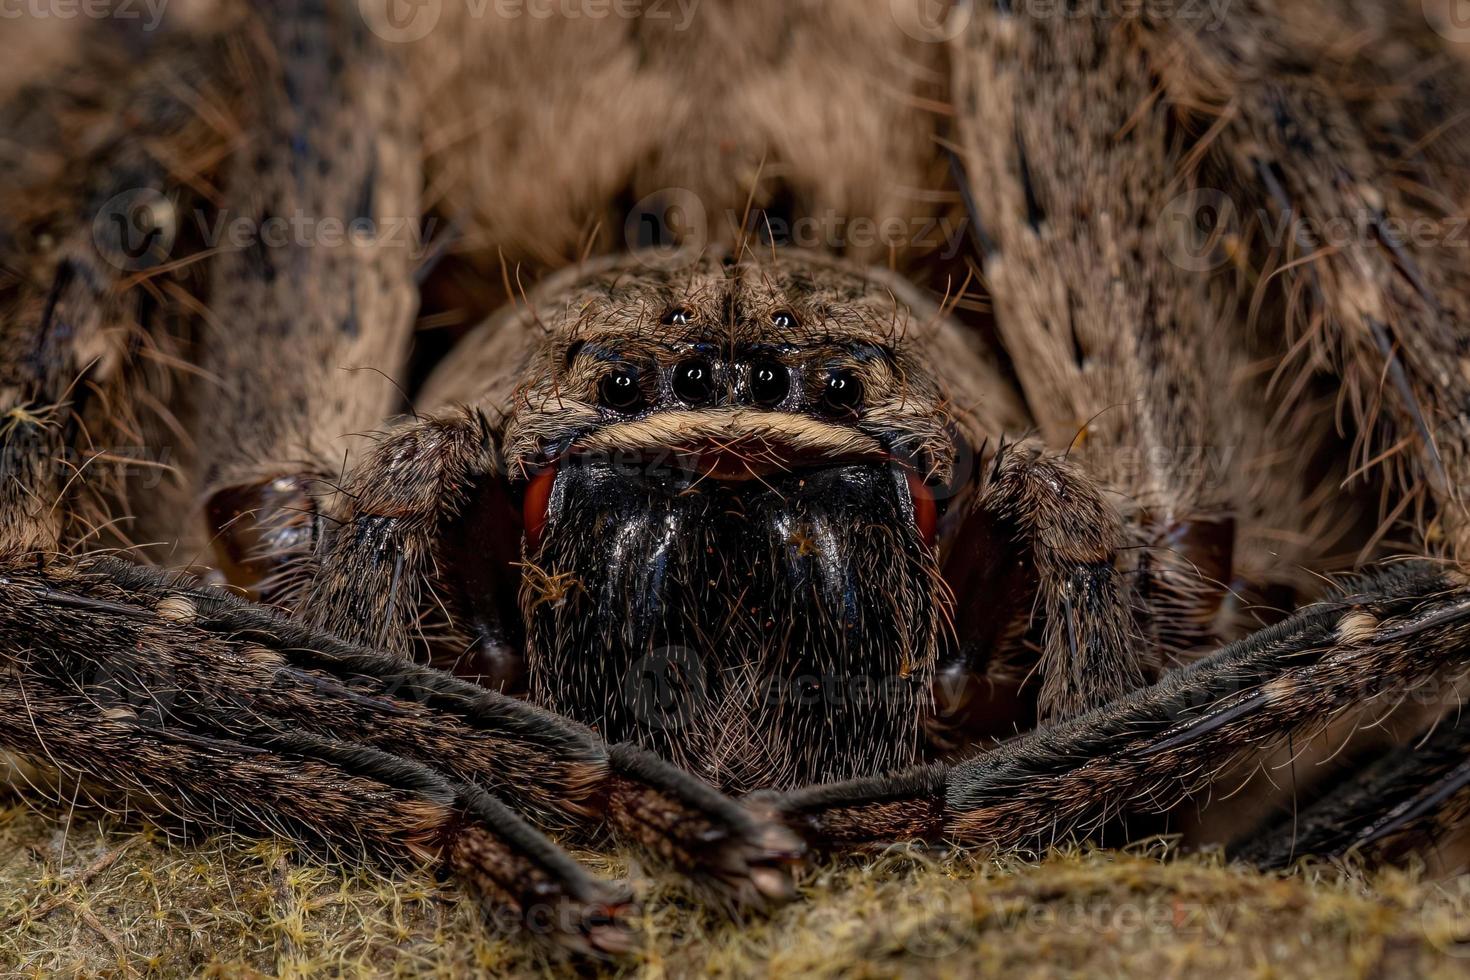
[(733, 510), (724, 548)]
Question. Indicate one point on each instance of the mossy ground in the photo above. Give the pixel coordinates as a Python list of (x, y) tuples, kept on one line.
[(84, 896)]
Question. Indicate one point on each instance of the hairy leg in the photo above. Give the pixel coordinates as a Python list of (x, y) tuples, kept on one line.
[(1350, 200), (89, 203), (1414, 798), (1215, 341), (1168, 507), (1401, 633), (1068, 167), (150, 711), (374, 570), (310, 313)]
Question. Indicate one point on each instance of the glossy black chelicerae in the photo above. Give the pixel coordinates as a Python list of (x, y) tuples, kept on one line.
[(773, 630)]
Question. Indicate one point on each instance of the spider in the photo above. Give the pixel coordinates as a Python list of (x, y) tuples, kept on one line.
[(719, 539)]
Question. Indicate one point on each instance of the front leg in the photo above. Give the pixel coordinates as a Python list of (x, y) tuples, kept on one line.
[(118, 692), (221, 665), (1409, 800), (1397, 633), (191, 705)]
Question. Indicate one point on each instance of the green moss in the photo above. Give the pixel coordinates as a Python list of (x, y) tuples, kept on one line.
[(97, 899)]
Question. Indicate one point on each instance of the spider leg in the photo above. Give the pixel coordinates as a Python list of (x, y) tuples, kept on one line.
[(378, 555), (1149, 388), (1409, 799), (1400, 632), (312, 309), (345, 797), (1325, 222), (1366, 185), (1140, 145), (224, 663), (86, 212)]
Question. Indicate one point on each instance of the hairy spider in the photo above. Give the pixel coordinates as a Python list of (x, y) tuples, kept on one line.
[(961, 539)]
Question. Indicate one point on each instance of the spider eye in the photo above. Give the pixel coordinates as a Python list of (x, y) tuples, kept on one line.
[(769, 383), (783, 319), (678, 316), (693, 381), (843, 392), (619, 390)]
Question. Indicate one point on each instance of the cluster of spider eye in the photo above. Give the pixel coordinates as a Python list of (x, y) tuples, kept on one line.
[(765, 380)]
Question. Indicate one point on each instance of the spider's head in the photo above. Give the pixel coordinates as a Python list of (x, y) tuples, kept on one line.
[(728, 478)]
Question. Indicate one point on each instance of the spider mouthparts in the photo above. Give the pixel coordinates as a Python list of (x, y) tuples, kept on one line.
[(926, 512), (682, 583), (536, 504), (730, 463)]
